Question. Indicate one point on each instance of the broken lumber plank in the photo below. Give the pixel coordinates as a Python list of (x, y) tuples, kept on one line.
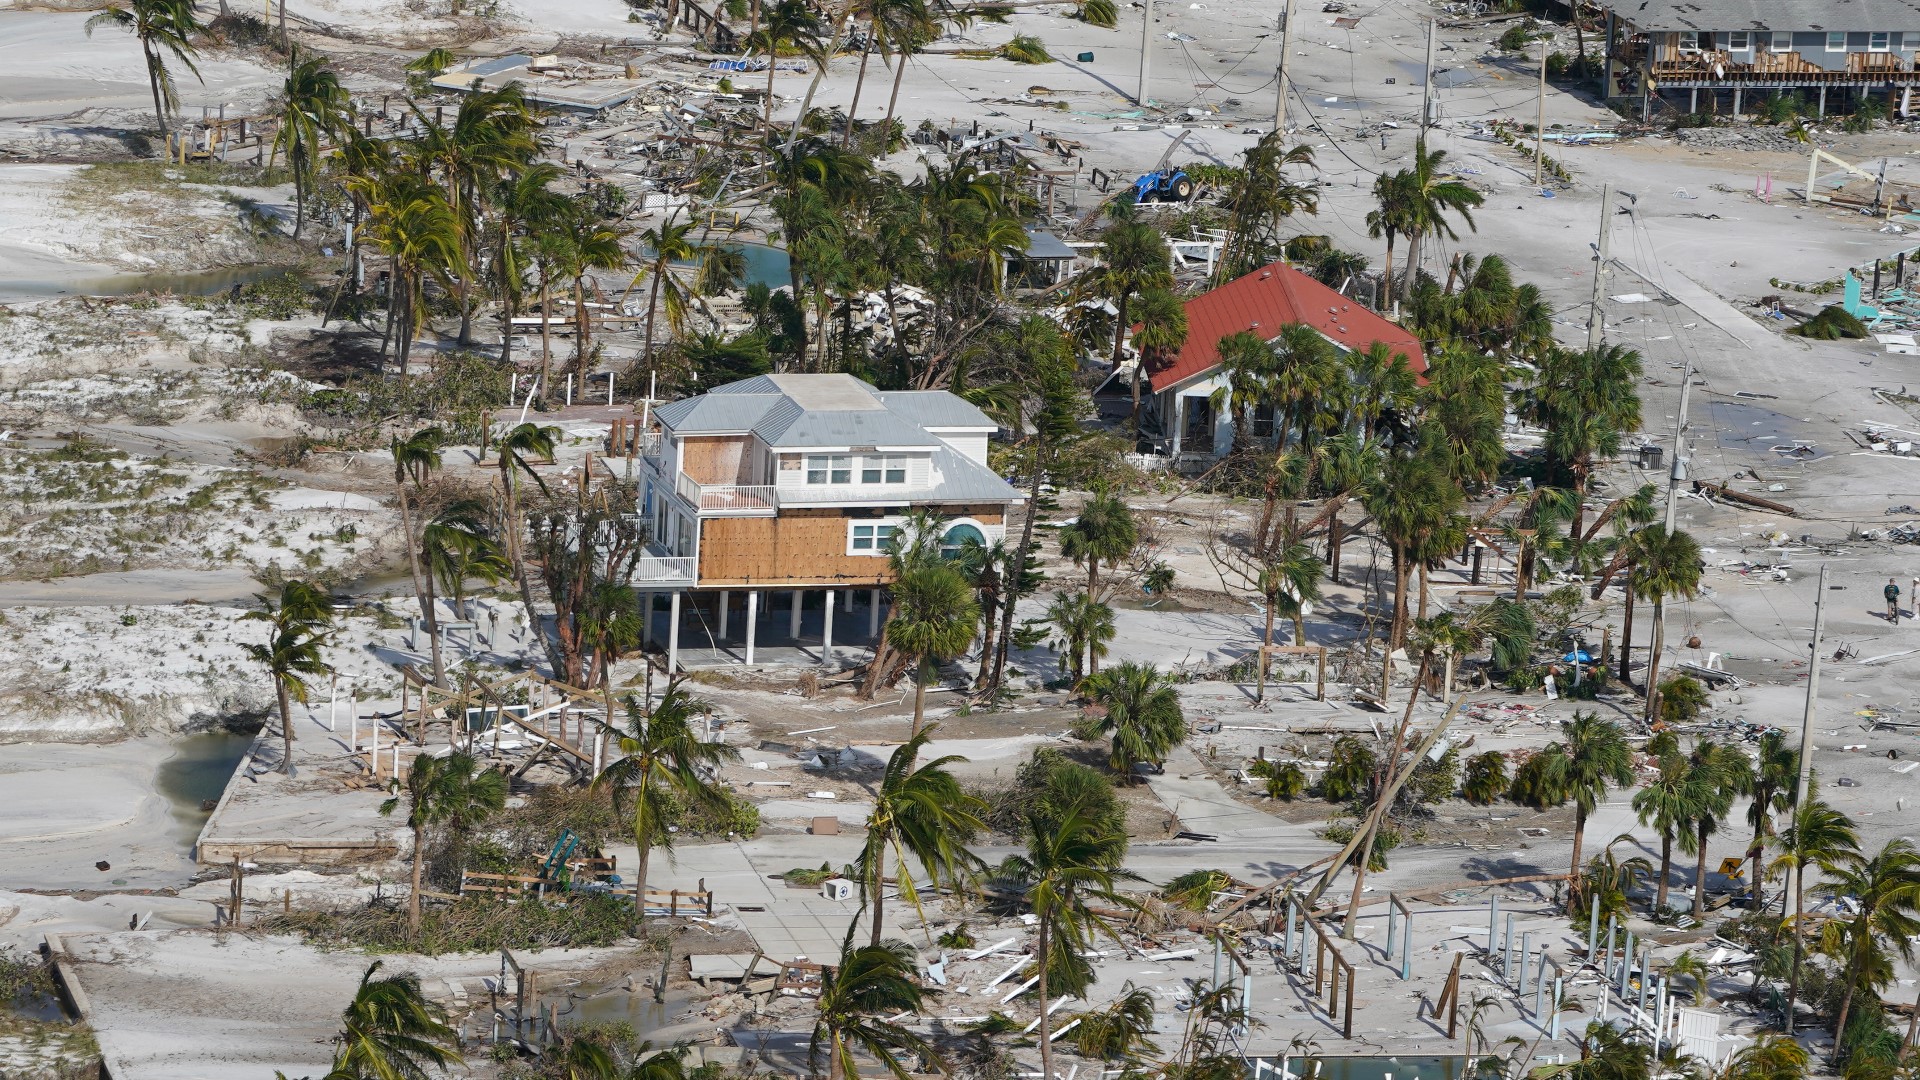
[(1743, 498)]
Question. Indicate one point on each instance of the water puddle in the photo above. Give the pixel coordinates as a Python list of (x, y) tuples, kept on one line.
[(192, 780), (199, 283), (1377, 1068), (601, 1006)]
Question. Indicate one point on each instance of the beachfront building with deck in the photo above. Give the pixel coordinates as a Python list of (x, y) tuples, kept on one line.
[(784, 491), (1726, 55)]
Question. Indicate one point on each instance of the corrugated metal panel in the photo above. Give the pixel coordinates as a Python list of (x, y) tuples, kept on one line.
[(1770, 14), (959, 479), (732, 412), (935, 409)]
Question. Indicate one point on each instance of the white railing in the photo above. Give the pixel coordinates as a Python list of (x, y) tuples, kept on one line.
[(664, 569), (728, 498)]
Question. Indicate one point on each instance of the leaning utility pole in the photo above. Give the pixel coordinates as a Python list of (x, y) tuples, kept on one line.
[(1673, 502), (1146, 57), (1540, 117), (1280, 76), (1594, 321), (1426, 92)]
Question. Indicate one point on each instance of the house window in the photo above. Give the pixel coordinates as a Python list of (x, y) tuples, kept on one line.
[(1879, 41), (1836, 41), (955, 542), (871, 539), (1782, 41), (1739, 41), (829, 469), (883, 470), (1689, 41)]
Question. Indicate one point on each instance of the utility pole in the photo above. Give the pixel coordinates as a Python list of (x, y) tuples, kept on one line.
[(1806, 717), (1673, 502), (1426, 92), (1146, 57), (1594, 320), (1280, 76), (1540, 117)]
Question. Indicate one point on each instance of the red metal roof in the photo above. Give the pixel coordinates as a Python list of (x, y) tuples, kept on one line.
[(1266, 300)]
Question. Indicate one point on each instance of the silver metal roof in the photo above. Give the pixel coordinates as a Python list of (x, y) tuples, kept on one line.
[(1769, 14), (715, 413), (1044, 245), (936, 409)]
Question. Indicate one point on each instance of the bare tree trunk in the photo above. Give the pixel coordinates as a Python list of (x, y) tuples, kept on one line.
[(853, 109), (286, 726), (1700, 875), (1019, 570), (1653, 659), (1626, 636), (1666, 867), (419, 863), (1044, 943)]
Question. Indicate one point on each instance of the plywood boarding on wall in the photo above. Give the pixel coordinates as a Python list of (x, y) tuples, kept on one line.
[(801, 547), (716, 459)]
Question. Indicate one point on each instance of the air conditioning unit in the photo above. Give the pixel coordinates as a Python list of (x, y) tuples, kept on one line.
[(837, 889)]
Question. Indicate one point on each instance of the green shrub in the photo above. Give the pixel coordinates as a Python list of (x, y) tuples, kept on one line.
[(1287, 782), (1517, 36), (1682, 697), (473, 925), (1831, 324), (1486, 778), (1384, 841), (1349, 769)]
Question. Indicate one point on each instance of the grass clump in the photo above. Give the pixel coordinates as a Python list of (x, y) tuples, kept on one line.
[(473, 925)]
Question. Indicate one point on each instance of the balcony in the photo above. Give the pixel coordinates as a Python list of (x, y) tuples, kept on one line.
[(657, 567), (747, 500)]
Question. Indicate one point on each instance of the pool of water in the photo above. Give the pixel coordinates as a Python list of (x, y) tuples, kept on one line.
[(765, 264), (1372, 1068), (200, 283), (196, 775), (636, 1007)]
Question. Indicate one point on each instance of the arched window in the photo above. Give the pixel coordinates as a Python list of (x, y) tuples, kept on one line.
[(956, 539)]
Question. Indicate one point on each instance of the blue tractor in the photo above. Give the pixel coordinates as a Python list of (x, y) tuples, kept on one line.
[(1164, 185)]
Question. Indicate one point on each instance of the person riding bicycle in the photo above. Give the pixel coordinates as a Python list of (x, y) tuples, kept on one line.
[(1892, 593)]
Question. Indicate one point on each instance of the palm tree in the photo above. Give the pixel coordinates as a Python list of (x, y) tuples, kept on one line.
[(868, 984), (588, 247), (299, 624), (313, 105), (414, 459), (1162, 319), (457, 546), (1428, 199), (1085, 626), (920, 814), (524, 202), (1666, 564), (1133, 260), (1105, 532), (896, 27), (1142, 715), (1816, 837), (410, 220), (454, 789), (1290, 581), (789, 24), (1070, 860), (1724, 774), (669, 244), (161, 26), (1696, 972), (1389, 221), (1669, 803), (663, 761), (391, 1031), (1413, 503), (519, 448), (1885, 890), (933, 619), (1775, 779), (1591, 756), (1771, 1057), (1587, 402)]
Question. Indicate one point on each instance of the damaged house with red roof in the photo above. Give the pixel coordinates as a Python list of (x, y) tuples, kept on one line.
[(1194, 429)]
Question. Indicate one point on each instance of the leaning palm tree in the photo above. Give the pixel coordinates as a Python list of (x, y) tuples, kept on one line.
[(934, 616), (789, 24), (667, 245), (921, 815), (1141, 715), (455, 789), (1724, 774), (414, 459), (390, 1031), (1071, 859), (161, 26), (519, 448), (457, 546), (409, 220), (1818, 837), (662, 761), (1885, 890), (1775, 779), (861, 999), (299, 625), (313, 106)]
